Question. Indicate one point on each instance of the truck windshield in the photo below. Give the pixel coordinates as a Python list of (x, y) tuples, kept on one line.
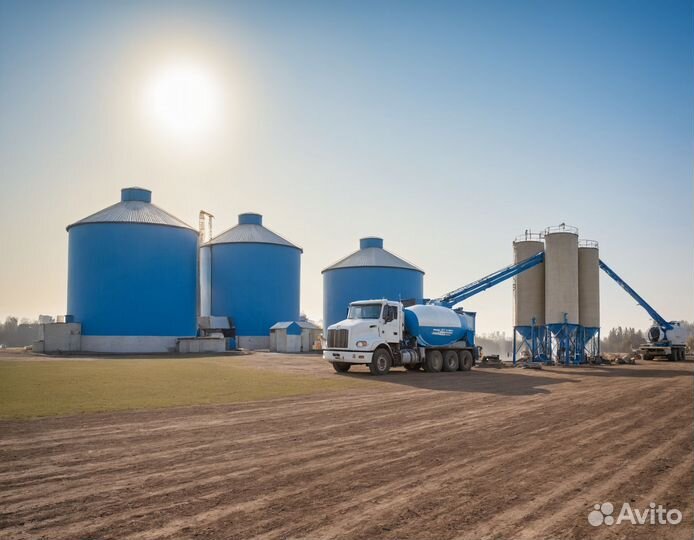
[(365, 311)]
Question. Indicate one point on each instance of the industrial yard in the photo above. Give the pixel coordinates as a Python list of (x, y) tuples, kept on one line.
[(154, 408), (355, 270), (491, 453)]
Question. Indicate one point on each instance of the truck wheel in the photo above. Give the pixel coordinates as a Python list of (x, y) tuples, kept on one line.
[(648, 357), (412, 367), (341, 367), (451, 361), (433, 362), (380, 363), (465, 360)]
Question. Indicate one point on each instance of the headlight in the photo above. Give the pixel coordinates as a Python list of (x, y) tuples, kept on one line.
[(362, 343)]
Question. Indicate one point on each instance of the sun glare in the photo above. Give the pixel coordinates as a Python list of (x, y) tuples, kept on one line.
[(183, 101)]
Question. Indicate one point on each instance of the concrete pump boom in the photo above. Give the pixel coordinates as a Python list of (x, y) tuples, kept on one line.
[(657, 317), (455, 297)]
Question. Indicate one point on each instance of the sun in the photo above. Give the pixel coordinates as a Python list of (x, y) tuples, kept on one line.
[(183, 101)]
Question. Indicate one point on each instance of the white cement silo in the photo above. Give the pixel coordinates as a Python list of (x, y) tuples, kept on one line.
[(529, 286), (588, 284), (561, 275)]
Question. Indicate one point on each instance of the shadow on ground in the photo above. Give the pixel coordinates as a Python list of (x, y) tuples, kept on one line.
[(496, 381), (625, 371), (513, 382)]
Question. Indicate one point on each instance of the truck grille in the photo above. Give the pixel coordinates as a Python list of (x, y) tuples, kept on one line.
[(338, 339)]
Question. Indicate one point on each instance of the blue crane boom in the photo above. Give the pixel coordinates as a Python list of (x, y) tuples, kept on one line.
[(657, 317), (454, 297)]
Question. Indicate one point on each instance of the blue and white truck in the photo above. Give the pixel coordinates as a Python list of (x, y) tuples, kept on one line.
[(384, 333)]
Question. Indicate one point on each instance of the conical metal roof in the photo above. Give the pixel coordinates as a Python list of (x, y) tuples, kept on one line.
[(372, 254), (250, 230), (134, 207)]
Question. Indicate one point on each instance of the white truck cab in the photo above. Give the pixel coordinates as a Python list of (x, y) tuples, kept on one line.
[(369, 324)]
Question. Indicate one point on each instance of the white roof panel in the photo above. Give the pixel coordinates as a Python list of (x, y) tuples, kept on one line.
[(375, 257), (250, 233), (133, 212)]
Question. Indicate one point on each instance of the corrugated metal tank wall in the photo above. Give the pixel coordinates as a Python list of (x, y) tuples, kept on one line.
[(561, 277), (588, 284), (132, 277), (529, 286), (370, 273), (255, 279)]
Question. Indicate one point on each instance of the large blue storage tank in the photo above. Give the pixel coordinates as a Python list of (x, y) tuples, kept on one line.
[(252, 275), (132, 277), (368, 274)]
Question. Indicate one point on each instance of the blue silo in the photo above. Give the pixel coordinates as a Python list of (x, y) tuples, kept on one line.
[(254, 278), (132, 277), (370, 273)]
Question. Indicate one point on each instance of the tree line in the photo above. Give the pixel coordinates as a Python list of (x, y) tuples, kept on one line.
[(495, 343), (622, 340), (18, 332)]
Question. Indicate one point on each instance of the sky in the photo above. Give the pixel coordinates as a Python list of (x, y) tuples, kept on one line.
[(447, 128)]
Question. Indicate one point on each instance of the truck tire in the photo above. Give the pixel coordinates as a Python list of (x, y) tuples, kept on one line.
[(450, 361), (412, 367), (465, 360), (341, 367), (648, 357), (433, 363), (381, 362)]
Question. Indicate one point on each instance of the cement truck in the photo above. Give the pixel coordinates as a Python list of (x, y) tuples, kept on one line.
[(432, 336), (383, 334)]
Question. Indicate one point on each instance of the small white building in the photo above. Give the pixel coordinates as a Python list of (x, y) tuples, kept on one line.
[(293, 336), (61, 337)]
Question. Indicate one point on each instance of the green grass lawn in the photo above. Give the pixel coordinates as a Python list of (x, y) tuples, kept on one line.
[(63, 387)]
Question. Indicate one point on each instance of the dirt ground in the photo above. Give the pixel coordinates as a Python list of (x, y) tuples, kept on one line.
[(486, 454)]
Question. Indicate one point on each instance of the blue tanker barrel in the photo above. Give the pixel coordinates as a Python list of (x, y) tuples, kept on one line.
[(435, 326), (368, 274), (132, 277)]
